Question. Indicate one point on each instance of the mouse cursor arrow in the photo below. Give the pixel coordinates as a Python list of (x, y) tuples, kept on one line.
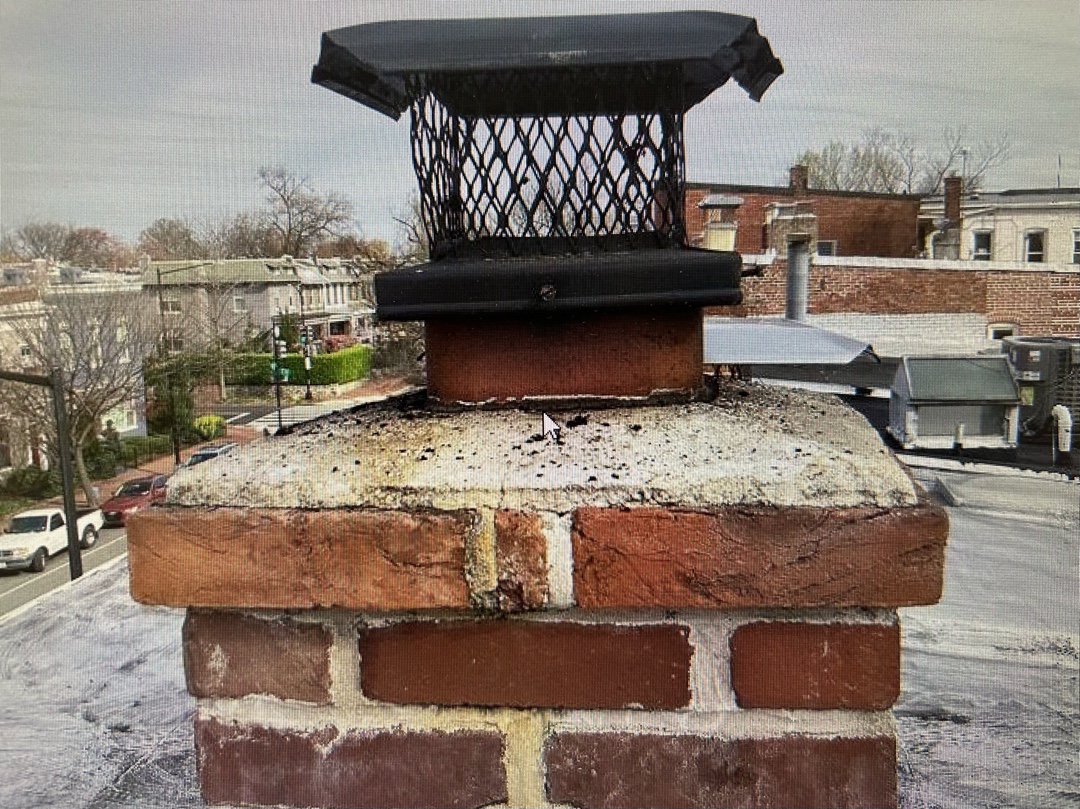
[(550, 428)]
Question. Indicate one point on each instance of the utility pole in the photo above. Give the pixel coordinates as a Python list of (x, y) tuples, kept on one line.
[(305, 337), (55, 382)]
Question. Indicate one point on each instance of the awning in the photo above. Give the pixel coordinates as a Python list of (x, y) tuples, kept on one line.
[(775, 341), (615, 63)]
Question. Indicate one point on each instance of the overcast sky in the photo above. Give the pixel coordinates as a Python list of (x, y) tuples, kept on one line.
[(116, 112)]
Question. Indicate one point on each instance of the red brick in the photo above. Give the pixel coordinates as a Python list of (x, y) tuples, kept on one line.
[(758, 557), (614, 353), (285, 558), (824, 666), (627, 770), (228, 655), (253, 765), (527, 664), (521, 561)]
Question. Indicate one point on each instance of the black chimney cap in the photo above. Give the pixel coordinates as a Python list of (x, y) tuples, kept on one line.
[(556, 65)]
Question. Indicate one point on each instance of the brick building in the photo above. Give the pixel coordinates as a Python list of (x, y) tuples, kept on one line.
[(924, 305), (848, 223)]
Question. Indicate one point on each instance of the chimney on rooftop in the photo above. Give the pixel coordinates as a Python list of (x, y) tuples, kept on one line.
[(800, 179), (954, 187)]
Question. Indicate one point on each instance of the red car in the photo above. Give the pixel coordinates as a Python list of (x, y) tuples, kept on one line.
[(132, 496)]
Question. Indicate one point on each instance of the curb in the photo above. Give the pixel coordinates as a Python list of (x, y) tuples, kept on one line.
[(973, 467), (942, 490)]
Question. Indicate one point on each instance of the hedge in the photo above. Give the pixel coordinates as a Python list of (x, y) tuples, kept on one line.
[(346, 365)]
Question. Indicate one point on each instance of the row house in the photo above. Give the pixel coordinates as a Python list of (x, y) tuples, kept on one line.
[(1033, 226), (35, 299), (235, 300)]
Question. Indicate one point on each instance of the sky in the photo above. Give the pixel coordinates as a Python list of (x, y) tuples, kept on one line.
[(114, 113)]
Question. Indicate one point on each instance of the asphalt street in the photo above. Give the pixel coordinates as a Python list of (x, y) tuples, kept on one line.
[(18, 588)]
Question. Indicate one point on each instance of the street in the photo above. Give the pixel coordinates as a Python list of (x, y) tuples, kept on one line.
[(96, 714), (21, 587)]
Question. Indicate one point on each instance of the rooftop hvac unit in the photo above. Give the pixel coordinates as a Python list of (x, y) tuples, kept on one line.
[(1048, 372)]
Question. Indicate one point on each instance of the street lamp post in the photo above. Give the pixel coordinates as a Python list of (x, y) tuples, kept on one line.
[(174, 430)]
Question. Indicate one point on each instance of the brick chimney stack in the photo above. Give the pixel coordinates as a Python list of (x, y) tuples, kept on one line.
[(630, 597), (800, 179), (954, 187)]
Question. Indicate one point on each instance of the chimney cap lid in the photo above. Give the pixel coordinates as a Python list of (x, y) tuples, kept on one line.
[(590, 64)]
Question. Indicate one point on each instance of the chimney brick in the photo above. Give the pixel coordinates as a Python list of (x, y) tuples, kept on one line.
[(780, 664), (231, 655), (527, 664), (953, 192), (251, 765), (623, 769), (755, 557), (800, 179)]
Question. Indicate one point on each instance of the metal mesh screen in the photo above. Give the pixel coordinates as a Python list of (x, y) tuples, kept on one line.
[(548, 184)]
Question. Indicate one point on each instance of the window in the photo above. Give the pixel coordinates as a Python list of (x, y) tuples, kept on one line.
[(1076, 247), (56, 522), (999, 331), (173, 341), (5, 449), (239, 303), (827, 248), (170, 306), (980, 248), (1035, 246)]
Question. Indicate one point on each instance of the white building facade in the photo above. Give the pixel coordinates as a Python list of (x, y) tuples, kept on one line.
[(1035, 226)]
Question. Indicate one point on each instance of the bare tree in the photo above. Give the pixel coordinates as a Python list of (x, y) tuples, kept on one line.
[(887, 162), (414, 247), (172, 239), (93, 247), (40, 240), (953, 155), (98, 341), (219, 322), (83, 247), (246, 235), (299, 215)]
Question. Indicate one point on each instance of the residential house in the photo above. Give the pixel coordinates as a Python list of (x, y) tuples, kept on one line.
[(30, 295), (1035, 226), (233, 300), (20, 308)]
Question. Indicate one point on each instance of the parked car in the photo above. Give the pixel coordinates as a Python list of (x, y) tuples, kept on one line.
[(33, 536), (208, 452), (132, 496)]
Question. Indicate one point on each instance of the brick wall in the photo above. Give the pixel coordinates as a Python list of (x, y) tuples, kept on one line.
[(698, 665), (861, 224), (1038, 301)]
